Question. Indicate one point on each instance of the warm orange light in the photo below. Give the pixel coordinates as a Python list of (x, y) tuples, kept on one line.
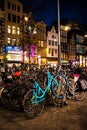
[(67, 28), (26, 18)]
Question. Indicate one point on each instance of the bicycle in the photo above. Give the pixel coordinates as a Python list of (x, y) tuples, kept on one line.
[(33, 102), (80, 87), (75, 89)]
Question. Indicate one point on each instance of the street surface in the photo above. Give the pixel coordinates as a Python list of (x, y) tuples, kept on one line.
[(71, 117)]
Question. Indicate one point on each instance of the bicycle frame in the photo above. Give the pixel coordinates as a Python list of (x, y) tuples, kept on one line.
[(39, 93)]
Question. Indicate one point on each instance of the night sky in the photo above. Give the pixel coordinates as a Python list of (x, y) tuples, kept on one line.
[(46, 10)]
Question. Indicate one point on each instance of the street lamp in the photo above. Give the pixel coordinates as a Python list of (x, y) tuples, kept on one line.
[(29, 32), (59, 43), (25, 19)]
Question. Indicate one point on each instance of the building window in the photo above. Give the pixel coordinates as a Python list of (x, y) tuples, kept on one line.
[(56, 43), (14, 18), (79, 39), (49, 50), (13, 41), (9, 17), (9, 5), (18, 30), (18, 8), (12, 6), (9, 29), (18, 42), (9, 40), (52, 43), (49, 42), (41, 43), (18, 19), (52, 52), (13, 30), (52, 36), (15, 7), (55, 51)]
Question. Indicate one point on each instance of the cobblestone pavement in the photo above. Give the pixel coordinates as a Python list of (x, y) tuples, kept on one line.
[(71, 117)]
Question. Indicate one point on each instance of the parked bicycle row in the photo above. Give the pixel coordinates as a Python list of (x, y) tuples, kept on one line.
[(31, 90)]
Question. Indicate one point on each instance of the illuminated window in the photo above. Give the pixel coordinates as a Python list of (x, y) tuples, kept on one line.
[(18, 30), (18, 41), (13, 30), (41, 43), (79, 39), (49, 50), (9, 40), (13, 41), (9, 29)]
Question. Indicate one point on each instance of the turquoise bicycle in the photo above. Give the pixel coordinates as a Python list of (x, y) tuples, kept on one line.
[(33, 103)]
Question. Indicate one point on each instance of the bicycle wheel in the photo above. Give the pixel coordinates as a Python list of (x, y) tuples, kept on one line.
[(71, 85), (31, 109), (5, 95), (59, 92), (58, 101), (16, 96), (79, 94)]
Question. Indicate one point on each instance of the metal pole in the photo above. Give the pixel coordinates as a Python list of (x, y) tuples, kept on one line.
[(59, 43)]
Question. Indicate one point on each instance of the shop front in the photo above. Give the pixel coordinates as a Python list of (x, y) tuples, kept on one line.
[(13, 54)]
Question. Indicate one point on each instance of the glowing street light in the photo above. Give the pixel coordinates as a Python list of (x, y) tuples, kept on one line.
[(26, 18)]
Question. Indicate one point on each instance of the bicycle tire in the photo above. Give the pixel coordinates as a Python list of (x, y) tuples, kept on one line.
[(59, 92), (16, 96), (5, 96), (79, 94), (71, 85), (58, 101), (32, 110)]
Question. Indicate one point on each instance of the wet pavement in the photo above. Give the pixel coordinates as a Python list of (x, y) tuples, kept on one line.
[(71, 117)]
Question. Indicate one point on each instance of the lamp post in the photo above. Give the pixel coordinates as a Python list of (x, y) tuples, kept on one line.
[(59, 43), (30, 32)]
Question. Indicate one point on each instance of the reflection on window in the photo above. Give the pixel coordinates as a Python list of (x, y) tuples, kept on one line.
[(13, 30), (80, 49), (79, 39), (9, 29)]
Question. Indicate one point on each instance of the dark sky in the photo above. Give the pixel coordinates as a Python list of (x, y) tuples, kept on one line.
[(46, 10)]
